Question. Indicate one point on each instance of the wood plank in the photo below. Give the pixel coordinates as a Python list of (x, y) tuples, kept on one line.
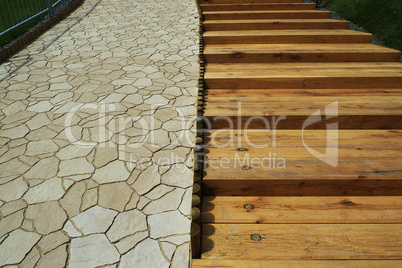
[(271, 14), (264, 53), (299, 152), (213, 2), (250, 111), (369, 163), (302, 241), (375, 81), (216, 186), (303, 76), (283, 33), (351, 209), (297, 122), (268, 48), (255, 104), (307, 67), (285, 36), (301, 72), (293, 138), (204, 263), (290, 144), (277, 168), (277, 24), (303, 92), (257, 6)]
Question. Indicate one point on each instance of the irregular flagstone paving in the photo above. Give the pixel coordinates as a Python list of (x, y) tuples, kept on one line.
[(97, 135)]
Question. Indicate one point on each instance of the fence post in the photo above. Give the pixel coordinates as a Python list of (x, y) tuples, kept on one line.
[(49, 8)]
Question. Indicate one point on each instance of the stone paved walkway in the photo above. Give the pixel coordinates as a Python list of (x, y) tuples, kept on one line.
[(97, 130)]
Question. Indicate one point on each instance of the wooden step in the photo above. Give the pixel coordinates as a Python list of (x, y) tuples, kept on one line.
[(303, 76), (299, 66), (264, 6), (252, 109), (264, 53), (302, 241), (285, 163), (278, 209), (276, 24), (214, 2), (285, 37), (367, 139), (205, 263), (254, 104), (272, 14), (264, 93)]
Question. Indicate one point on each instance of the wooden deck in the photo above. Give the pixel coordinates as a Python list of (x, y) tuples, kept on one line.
[(289, 181)]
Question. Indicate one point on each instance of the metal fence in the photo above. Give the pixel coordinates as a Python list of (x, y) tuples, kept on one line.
[(14, 13)]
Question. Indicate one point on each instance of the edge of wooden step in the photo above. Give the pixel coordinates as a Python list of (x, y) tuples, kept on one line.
[(202, 263), (307, 209)]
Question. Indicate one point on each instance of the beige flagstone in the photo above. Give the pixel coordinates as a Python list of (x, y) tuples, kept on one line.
[(16, 245)]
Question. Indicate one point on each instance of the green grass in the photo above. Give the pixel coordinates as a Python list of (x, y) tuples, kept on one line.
[(20, 11), (383, 18)]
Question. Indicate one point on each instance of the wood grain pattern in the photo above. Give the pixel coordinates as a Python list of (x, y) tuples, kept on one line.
[(204, 263), (379, 139), (297, 122), (207, 2), (257, 6), (303, 187), (267, 210), (302, 241), (263, 14), (304, 92), (262, 53), (370, 163), (273, 24), (251, 109), (285, 36), (304, 76), (369, 168), (305, 67), (375, 80), (255, 104)]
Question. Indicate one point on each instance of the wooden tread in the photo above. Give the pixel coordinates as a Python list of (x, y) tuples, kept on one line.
[(298, 66), (353, 112), (302, 241), (273, 24), (307, 209), (264, 53), (213, 2), (266, 14), (303, 76), (216, 92), (204, 263), (254, 104), (258, 6), (371, 165), (285, 36)]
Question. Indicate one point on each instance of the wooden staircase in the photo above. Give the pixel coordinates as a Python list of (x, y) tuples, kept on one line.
[(304, 161)]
